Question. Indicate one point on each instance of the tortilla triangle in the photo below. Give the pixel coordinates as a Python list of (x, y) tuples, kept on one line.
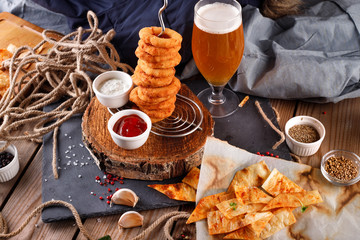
[(248, 195), (192, 178), (218, 223), (177, 191), (252, 176), (282, 218), (298, 199), (278, 183), (232, 208), (255, 223), (205, 205)]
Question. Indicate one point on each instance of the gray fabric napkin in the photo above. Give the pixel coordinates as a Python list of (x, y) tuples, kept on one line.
[(313, 56)]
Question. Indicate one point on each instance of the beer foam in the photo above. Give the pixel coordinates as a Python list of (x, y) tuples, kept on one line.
[(218, 18)]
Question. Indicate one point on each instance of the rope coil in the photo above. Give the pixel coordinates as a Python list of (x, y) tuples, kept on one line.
[(169, 217), (62, 73)]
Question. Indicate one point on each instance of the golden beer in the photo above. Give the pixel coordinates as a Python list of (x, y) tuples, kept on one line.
[(217, 50)]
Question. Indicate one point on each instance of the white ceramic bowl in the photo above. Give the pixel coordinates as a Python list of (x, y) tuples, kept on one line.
[(300, 148), (129, 142), (116, 100), (10, 170), (340, 153)]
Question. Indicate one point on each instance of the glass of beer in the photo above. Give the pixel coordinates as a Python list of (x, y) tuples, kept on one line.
[(217, 47)]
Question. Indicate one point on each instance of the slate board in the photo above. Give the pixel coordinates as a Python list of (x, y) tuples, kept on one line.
[(246, 128), (77, 171)]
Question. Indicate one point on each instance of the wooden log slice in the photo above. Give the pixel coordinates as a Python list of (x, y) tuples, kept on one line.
[(159, 158)]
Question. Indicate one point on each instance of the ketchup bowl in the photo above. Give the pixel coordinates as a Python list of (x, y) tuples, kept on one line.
[(129, 128), (112, 88)]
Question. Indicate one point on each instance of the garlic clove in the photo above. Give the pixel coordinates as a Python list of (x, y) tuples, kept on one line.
[(125, 196), (131, 219)]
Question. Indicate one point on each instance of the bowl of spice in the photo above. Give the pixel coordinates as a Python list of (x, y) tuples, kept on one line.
[(341, 167), (129, 128), (112, 88), (9, 162), (304, 135)]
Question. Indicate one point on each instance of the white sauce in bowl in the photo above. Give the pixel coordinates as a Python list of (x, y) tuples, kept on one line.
[(113, 86)]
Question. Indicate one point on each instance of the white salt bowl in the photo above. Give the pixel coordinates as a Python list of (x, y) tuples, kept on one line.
[(116, 100)]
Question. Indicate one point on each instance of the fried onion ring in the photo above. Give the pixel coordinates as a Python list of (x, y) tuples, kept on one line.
[(140, 78), (172, 62), (161, 92), (156, 51), (158, 115), (153, 100), (140, 53), (169, 38), (134, 97), (156, 72)]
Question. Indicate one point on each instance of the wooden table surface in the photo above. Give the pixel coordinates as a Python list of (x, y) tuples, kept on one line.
[(20, 196)]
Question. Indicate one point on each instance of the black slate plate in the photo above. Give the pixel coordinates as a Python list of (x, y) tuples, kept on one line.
[(77, 171), (246, 128)]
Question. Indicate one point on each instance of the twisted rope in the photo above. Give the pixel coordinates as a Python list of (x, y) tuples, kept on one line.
[(61, 73), (278, 131), (173, 216), (3, 230)]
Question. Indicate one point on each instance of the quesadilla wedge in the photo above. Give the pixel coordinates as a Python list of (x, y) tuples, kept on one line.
[(192, 178), (282, 218), (260, 224), (252, 176), (257, 222), (232, 208), (204, 206), (248, 195), (242, 233), (177, 191), (278, 183), (297, 199), (218, 223)]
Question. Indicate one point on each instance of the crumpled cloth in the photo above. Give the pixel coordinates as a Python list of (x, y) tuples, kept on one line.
[(36, 14), (314, 56)]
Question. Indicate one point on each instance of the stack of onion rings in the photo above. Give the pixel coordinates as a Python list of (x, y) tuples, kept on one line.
[(154, 75), (170, 38)]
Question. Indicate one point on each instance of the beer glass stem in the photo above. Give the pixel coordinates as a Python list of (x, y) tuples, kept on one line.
[(217, 97)]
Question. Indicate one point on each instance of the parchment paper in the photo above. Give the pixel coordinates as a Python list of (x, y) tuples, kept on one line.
[(338, 217)]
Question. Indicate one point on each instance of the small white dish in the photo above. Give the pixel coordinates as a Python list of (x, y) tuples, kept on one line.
[(10, 170), (116, 100), (300, 148), (129, 142)]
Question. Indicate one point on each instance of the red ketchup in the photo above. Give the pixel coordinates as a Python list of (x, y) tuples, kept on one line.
[(130, 126)]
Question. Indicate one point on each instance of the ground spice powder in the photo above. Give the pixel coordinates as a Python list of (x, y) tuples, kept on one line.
[(341, 168), (304, 133)]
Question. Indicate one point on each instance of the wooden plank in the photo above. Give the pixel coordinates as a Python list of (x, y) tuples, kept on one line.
[(181, 229), (25, 198), (26, 150), (341, 121), (285, 108), (108, 226), (18, 31)]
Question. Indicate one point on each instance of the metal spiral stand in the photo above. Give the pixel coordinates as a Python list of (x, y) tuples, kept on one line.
[(186, 118)]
